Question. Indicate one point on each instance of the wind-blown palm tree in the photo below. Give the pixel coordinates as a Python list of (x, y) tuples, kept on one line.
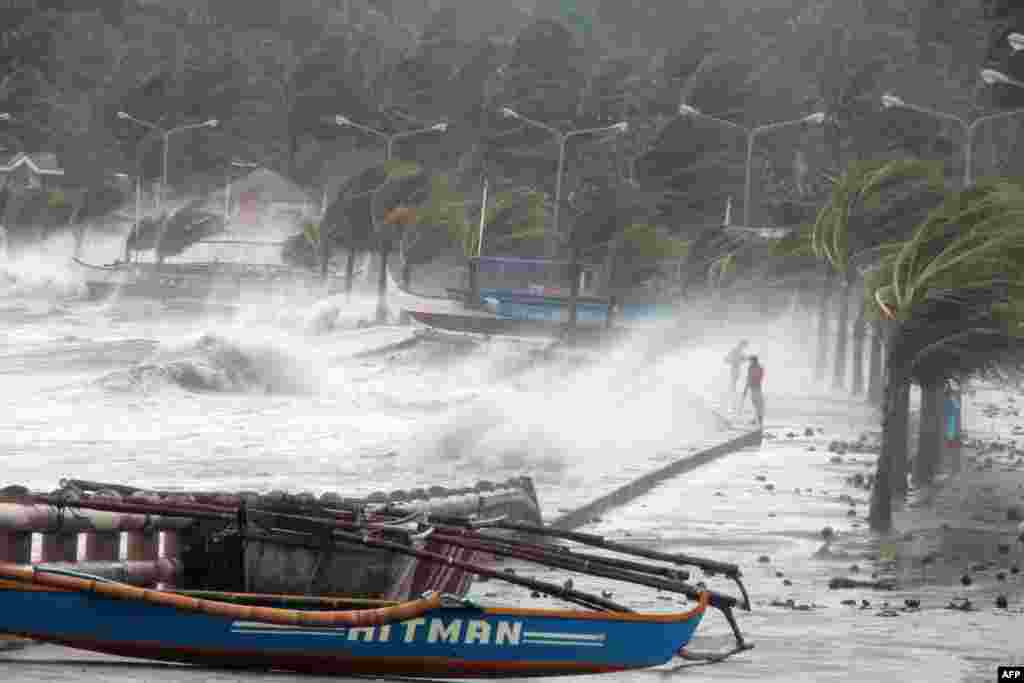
[(854, 221), (955, 306)]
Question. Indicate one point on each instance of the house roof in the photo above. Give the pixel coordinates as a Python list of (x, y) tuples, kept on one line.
[(269, 186), (42, 163)]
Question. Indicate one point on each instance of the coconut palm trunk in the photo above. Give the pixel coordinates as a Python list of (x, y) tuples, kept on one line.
[(929, 443), (350, 272), (840, 361), (892, 461), (876, 374), (821, 361), (382, 283), (859, 337)]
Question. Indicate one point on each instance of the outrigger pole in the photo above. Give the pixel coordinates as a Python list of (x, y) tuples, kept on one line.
[(368, 534)]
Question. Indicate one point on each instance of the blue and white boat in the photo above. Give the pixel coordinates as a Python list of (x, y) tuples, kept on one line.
[(427, 637)]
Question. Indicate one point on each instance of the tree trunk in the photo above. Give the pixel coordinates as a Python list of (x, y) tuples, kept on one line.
[(842, 337), (876, 375), (930, 432), (350, 271), (404, 318), (382, 285), (892, 460), (859, 335), (822, 357), (574, 293)]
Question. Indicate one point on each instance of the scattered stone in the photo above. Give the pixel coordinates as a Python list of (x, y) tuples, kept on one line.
[(719, 494), (811, 448), (535, 594), (790, 435), (779, 574), (809, 432), (1003, 548), (960, 604), (1001, 576), (761, 477), (769, 487), (772, 514), (864, 604), (828, 533), (966, 580), (854, 569), (1015, 569), (836, 460), (787, 582), (912, 603), (607, 594), (1002, 602), (851, 513), (1013, 514), (849, 603), (888, 612), (764, 559)]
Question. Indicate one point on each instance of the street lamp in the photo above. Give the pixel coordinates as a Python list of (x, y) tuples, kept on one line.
[(389, 138), (816, 118), (993, 77), (1016, 41), (563, 140), (890, 101), (4, 116), (166, 133)]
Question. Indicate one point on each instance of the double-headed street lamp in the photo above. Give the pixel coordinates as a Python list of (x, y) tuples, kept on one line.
[(390, 139), (1016, 41), (993, 77), (890, 101), (563, 140), (166, 133), (816, 118)]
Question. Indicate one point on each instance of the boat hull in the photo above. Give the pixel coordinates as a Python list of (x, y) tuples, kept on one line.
[(476, 323), (217, 282), (464, 642)]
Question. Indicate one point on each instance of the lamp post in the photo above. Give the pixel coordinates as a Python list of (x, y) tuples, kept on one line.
[(816, 118), (563, 141), (166, 133), (1016, 41), (389, 139), (890, 101)]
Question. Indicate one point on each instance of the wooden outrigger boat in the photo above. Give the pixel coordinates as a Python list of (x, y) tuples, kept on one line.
[(433, 635), (427, 637), (527, 311), (214, 281)]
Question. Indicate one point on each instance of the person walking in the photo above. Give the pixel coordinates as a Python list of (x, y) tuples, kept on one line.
[(755, 378), (735, 359)]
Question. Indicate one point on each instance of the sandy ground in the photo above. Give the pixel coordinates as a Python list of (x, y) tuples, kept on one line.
[(802, 630)]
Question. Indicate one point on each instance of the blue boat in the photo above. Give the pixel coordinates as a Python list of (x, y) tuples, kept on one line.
[(428, 637)]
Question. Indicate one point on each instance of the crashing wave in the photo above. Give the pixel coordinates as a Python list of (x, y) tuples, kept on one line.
[(216, 364)]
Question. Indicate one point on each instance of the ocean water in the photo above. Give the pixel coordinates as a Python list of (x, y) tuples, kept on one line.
[(301, 397)]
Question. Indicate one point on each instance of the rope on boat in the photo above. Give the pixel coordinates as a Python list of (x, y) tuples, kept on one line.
[(64, 580)]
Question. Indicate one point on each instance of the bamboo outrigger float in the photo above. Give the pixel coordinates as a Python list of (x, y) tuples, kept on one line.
[(435, 635)]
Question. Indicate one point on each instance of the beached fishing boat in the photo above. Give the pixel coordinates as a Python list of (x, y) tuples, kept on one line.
[(202, 281), (432, 636), (428, 635)]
